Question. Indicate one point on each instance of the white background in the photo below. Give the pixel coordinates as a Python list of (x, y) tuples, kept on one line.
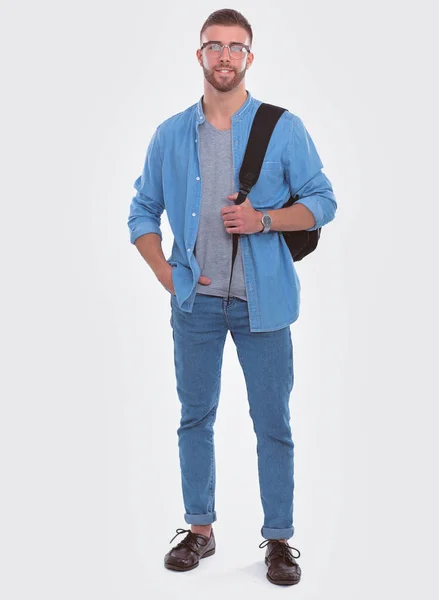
[(90, 479)]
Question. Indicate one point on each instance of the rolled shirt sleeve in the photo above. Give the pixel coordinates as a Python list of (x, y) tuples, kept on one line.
[(147, 205), (305, 176)]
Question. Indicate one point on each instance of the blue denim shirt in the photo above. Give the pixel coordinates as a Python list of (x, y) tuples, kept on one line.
[(171, 180)]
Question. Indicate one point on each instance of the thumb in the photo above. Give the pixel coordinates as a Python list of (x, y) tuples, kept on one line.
[(204, 280), (233, 196)]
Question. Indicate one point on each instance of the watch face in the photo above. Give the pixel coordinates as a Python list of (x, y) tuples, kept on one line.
[(266, 220)]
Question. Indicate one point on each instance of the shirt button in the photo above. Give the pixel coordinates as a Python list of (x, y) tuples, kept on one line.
[(197, 178), (193, 214), (196, 140), (188, 249)]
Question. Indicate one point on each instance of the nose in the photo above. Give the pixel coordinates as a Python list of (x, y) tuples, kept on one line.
[(222, 52)]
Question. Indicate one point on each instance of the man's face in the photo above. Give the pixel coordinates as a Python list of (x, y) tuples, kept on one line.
[(212, 65)]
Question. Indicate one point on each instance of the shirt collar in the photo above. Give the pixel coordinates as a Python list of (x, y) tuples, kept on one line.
[(241, 111)]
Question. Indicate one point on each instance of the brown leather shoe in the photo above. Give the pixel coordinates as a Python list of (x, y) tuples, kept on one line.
[(187, 553), (282, 566)]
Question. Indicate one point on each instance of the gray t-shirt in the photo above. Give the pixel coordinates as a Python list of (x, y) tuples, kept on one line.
[(213, 248)]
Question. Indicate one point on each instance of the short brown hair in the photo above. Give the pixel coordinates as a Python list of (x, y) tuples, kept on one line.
[(228, 16)]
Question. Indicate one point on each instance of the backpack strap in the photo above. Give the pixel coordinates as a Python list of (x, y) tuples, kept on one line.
[(263, 126)]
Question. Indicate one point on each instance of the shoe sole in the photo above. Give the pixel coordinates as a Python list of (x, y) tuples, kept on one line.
[(177, 568), (280, 582)]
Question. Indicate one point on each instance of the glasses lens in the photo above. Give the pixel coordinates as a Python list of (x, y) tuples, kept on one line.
[(237, 51)]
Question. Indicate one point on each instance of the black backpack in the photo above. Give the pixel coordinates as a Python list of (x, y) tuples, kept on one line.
[(300, 243)]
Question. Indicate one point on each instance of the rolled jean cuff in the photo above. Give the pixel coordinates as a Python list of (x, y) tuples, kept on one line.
[(200, 519), (277, 534)]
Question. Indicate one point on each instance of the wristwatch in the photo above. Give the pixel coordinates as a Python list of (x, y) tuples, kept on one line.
[(266, 221)]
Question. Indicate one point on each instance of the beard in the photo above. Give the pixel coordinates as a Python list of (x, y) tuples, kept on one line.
[(224, 84)]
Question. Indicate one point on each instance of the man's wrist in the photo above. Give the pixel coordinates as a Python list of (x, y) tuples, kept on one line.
[(162, 270), (260, 215)]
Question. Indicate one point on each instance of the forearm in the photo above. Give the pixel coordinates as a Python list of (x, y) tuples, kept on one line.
[(296, 217), (150, 247)]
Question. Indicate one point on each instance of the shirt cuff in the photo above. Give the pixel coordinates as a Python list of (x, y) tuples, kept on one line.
[(313, 205), (145, 227)]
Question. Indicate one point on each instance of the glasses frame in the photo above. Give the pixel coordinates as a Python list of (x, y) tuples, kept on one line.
[(228, 48)]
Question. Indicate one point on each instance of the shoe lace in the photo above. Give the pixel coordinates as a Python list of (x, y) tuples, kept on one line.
[(192, 540), (281, 549)]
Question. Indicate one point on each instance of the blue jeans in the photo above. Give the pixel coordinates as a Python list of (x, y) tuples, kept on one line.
[(267, 362)]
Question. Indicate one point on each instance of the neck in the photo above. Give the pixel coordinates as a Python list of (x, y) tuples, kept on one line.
[(218, 107)]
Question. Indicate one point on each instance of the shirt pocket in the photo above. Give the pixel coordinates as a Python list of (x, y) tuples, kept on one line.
[(269, 182), (270, 164)]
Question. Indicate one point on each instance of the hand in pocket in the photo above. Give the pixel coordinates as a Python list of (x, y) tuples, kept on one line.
[(165, 279)]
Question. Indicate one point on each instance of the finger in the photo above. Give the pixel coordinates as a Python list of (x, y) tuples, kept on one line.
[(228, 210), (204, 280), (233, 222), (235, 196)]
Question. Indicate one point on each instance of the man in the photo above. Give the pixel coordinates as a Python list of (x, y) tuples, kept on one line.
[(191, 170)]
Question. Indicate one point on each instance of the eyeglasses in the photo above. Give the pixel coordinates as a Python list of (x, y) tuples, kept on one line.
[(236, 51)]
